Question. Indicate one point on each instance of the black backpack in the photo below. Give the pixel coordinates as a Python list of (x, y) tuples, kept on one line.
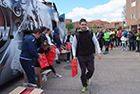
[(78, 43)]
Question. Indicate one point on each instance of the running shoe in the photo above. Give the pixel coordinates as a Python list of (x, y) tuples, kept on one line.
[(57, 75), (84, 89)]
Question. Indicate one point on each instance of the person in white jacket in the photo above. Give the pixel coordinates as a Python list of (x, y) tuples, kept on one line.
[(83, 46), (52, 45), (69, 38), (48, 37), (124, 39)]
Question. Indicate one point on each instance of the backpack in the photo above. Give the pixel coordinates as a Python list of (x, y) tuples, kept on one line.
[(78, 44)]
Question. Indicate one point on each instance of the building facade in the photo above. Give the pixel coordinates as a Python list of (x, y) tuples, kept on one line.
[(68, 21), (133, 13), (100, 24)]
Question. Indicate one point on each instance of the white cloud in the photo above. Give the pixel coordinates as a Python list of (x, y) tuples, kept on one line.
[(104, 19), (88, 18), (77, 12), (112, 10)]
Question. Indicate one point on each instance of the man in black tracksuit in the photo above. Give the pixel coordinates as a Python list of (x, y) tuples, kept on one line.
[(85, 43)]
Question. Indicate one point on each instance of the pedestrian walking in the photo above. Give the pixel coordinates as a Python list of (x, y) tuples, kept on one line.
[(83, 47), (28, 52)]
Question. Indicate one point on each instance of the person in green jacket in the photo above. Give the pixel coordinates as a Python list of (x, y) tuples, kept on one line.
[(138, 39), (106, 38)]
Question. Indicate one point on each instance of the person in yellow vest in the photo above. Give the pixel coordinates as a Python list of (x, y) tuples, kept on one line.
[(114, 37), (117, 38), (138, 39)]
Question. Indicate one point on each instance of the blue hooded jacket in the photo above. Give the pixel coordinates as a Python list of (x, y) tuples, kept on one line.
[(56, 37)]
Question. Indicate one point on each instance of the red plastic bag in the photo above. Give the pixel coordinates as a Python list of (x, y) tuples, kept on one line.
[(51, 56), (27, 92), (60, 49), (74, 67), (119, 34), (44, 62), (68, 46)]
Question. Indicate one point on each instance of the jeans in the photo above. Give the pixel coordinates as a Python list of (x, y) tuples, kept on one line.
[(131, 45), (124, 46)]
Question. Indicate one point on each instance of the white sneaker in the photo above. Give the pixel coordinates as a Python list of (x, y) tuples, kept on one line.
[(30, 85), (126, 49), (57, 75), (67, 60)]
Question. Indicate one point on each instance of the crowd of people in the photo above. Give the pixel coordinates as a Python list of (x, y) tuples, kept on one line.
[(84, 43), (36, 43), (111, 38)]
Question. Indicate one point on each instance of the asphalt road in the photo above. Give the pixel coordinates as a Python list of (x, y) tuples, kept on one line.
[(116, 73)]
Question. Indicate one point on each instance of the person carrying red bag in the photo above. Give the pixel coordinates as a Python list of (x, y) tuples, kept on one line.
[(44, 49), (28, 52), (68, 41), (84, 46)]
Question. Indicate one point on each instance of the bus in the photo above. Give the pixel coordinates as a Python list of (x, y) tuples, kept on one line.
[(17, 19)]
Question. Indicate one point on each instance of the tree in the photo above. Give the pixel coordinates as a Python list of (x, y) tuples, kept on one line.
[(69, 26), (124, 13), (120, 28)]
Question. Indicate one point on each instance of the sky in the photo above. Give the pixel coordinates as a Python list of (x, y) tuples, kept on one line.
[(106, 10)]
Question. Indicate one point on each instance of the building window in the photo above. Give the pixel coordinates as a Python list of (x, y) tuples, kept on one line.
[(133, 4), (133, 16), (116, 24)]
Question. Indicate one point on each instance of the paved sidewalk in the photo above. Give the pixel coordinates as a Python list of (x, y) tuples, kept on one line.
[(116, 73)]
